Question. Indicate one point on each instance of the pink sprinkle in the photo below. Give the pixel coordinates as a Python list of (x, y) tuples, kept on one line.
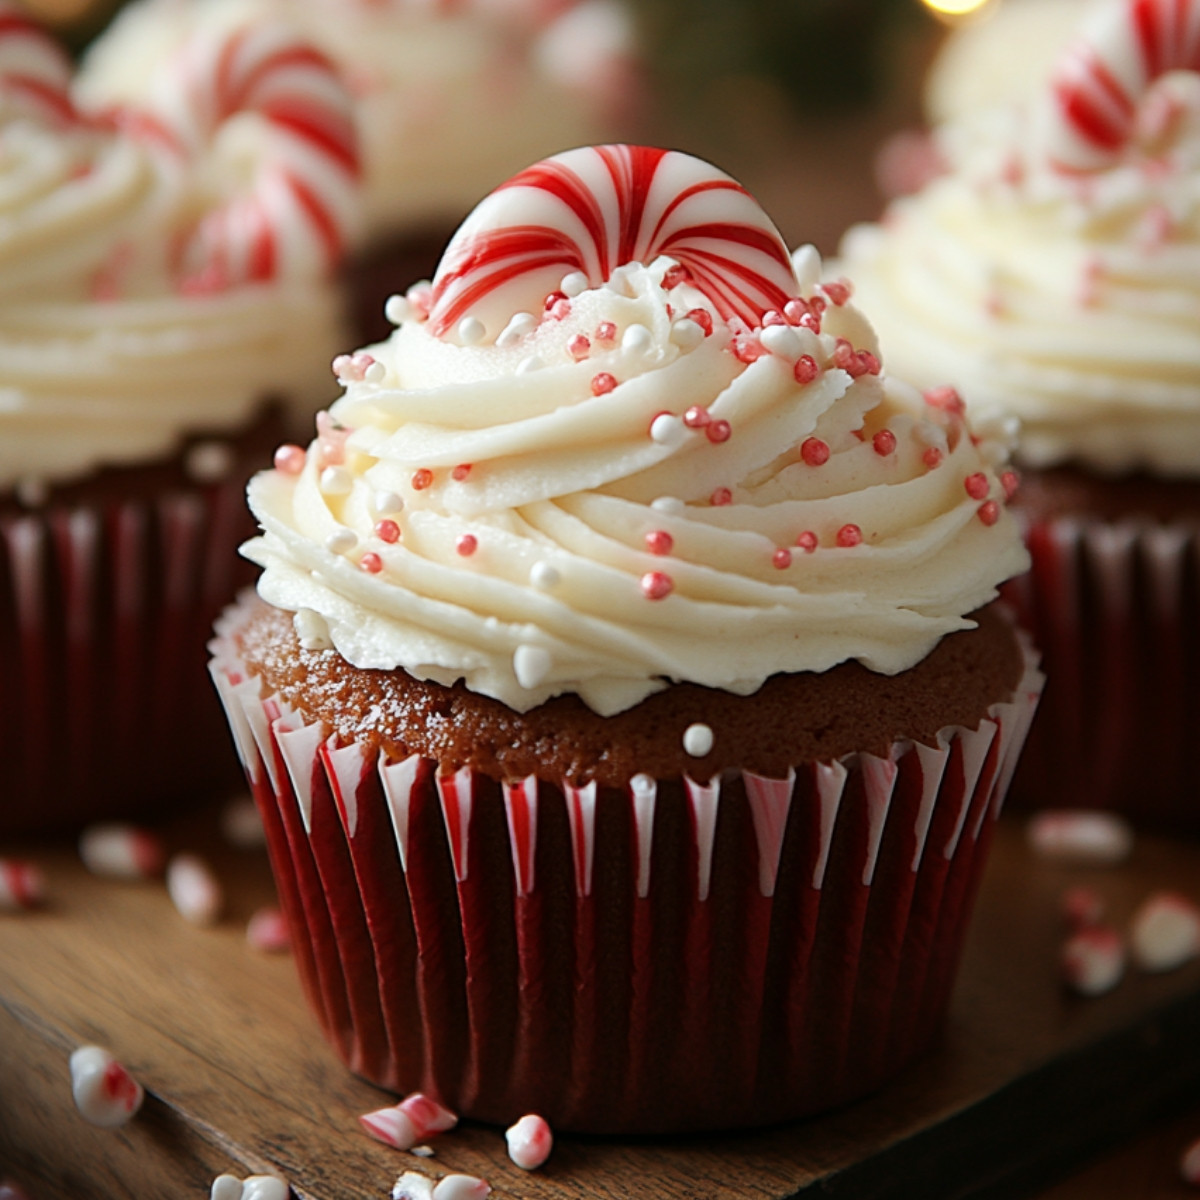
[(807, 541), (989, 512), (720, 497), (794, 310), (814, 452), (946, 398), (1010, 481), (702, 317), (884, 442), (387, 530), (676, 275), (811, 321), (771, 317), (806, 369), (659, 541), (1081, 906), (747, 348), (782, 558), (696, 417), (849, 535), (267, 931), (290, 459), (717, 431), (371, 562), (579, 347), (817, 305), (932, 457), (606, 331), (976, 485), (421, 479), (529, 1142), (461, 472), (603, 383), (845, 357), (656, 585), (838, 292), (466, 544), (552, 299), (868, 364)]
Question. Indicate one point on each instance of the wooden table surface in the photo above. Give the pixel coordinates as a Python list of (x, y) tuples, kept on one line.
[(1028, 1083)]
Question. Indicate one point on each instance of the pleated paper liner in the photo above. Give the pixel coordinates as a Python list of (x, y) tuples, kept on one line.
[(672, 955), (106, 606), (1115, 608)]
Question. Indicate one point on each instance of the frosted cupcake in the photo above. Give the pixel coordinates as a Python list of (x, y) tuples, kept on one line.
[(1054, 276), (449, 98), (159, 321), (622, 701)]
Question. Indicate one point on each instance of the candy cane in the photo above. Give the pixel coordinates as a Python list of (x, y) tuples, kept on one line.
[(595, 209), (35, 73), (300, 206), (1100, 81)]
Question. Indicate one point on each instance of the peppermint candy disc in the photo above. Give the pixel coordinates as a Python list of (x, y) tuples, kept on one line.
[(267, 111), (598, 208), (1100, 81), (35, 74)]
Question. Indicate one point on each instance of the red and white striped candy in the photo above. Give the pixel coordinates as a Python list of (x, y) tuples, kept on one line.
[(121, 851), (35, 73), (530, 1141), (104, 1091), (415, 1119), (598, 208), (21, 885), (1100, 82), (271, 100)]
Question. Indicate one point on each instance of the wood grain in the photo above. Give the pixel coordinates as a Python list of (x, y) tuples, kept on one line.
[(1028, 1080)]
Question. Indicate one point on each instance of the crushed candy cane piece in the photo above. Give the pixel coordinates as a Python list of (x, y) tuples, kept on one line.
[(414, 1119), (1093, 960), (119, 851), (1165, 932), (267, 930), (1081, 836), (194, 889), (461, 1187), (105, 1093), (241, 824), (412, 1185), (529, 1142), (1082, 907), (1189, 1164), (21, 885)]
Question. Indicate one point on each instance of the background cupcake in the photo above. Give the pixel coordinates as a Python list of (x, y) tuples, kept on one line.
[(1053, 275), (626, 744), (161, 320), (449, 98)]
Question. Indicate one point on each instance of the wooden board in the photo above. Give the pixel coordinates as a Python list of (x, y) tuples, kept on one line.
[(1028, 1080)]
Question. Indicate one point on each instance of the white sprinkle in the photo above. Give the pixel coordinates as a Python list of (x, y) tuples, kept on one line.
[(471, 331), (336, 481), (783, 341), (686, 334), (265, 1187), (806, 262), (668, 504), (519, 326), (544, 577), (121, 851), (574, 284), (208, 462), (386, 502), (226, 1187), (32, 492), (529, 1142), (1081, 835), (528, 365), (698, 740), (531, 664), (341, 541), (397, 309), (105, 1093), (412, 1185), (375, 373), (240, 822), (194, 889), (667, 430), (1165, 932), (1093, 960), (312, 630), (636, 339)]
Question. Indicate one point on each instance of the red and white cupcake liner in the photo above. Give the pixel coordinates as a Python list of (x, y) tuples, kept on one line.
[(1114, 605), (105, 611), (671, 955)]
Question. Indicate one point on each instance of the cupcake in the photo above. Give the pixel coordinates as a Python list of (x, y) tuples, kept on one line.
[(162, 323), (449, 98), (1053, 276), (622, 693)]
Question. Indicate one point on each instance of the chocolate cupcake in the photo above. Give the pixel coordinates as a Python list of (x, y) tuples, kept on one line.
[(162, 324), (1053, 276), (622, 681)]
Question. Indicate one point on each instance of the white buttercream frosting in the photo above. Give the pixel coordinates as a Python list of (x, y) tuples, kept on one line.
[(1068, 299), (537, 520), (450, 97)]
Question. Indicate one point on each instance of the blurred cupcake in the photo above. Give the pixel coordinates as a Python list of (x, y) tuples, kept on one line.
[(623, 682), (1053, 275), (449, 97), (164, 310)]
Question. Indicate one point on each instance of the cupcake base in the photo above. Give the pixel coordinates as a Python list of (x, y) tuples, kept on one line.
[(670, 954)]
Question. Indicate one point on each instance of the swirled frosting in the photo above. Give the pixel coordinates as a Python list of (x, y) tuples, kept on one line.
[(1071, 300), (450, 97), (609, 498)]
